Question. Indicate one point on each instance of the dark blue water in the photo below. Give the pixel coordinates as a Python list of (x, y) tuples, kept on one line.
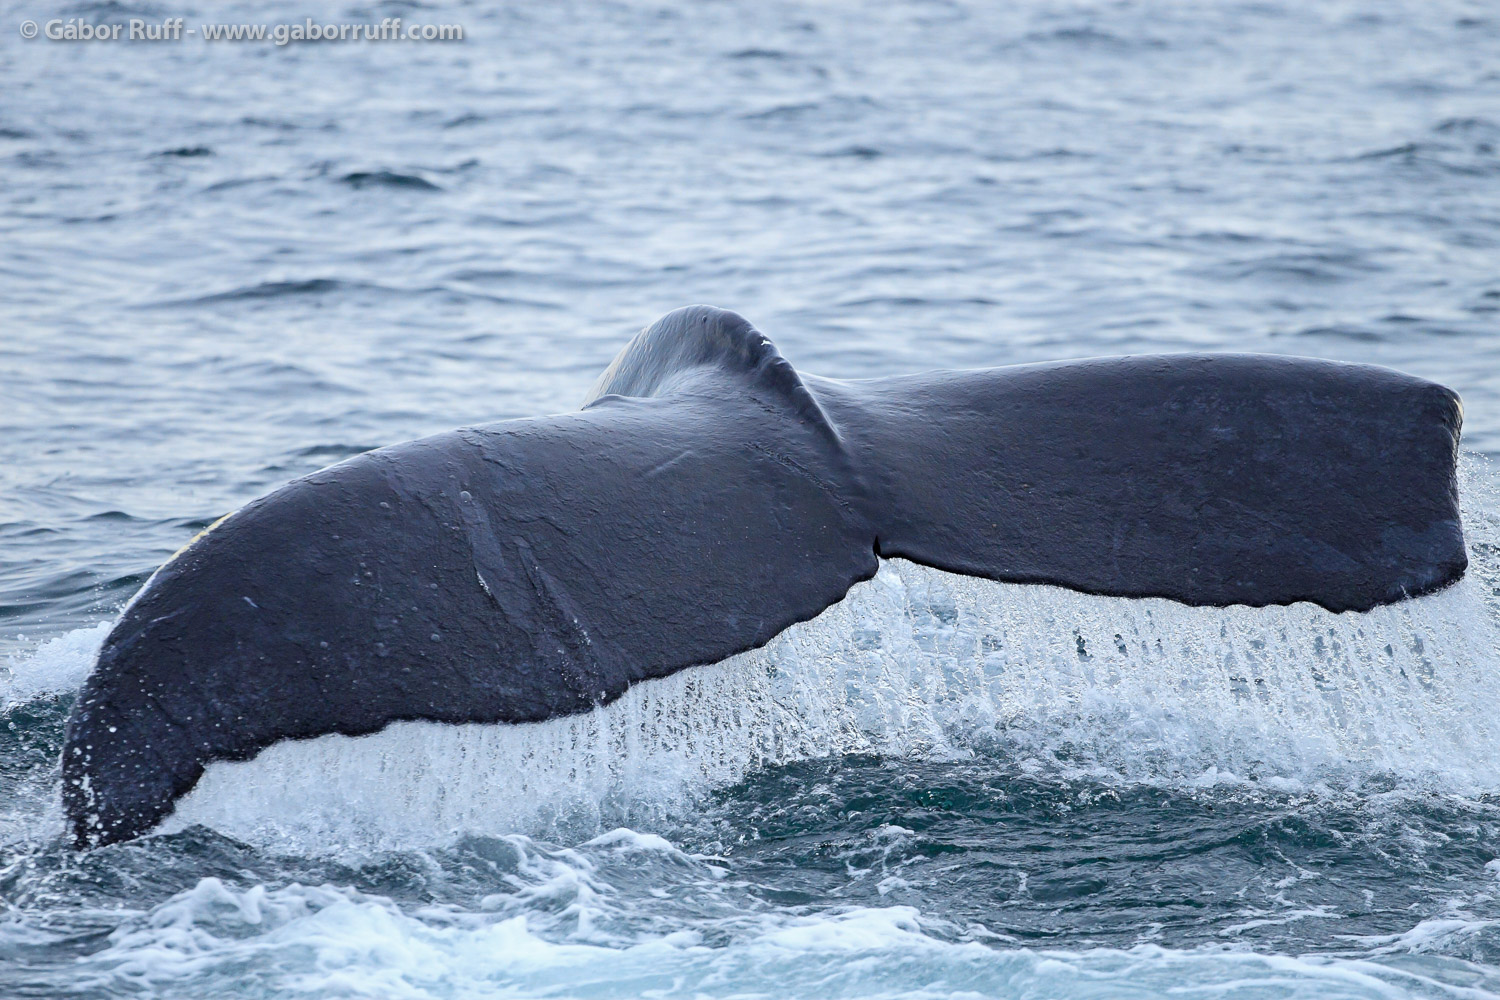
[(223, 265)]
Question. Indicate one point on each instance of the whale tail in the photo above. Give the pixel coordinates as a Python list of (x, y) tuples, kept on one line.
[(707, 497)]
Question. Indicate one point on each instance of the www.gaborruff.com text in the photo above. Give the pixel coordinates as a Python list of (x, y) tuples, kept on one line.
[(175, 29)]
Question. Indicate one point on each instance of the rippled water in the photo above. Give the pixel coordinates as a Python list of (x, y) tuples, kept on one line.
[(226, 265)]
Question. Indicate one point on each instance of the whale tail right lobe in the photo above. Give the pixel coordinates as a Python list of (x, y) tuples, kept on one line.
[(1211, 480)]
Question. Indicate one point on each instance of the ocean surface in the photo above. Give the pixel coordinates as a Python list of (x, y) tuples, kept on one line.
[(223, 265)]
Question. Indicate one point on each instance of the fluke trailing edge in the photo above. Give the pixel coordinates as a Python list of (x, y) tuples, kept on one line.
[(706, 497)]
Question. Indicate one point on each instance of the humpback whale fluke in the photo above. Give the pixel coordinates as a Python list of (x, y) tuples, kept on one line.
[(708, 496)]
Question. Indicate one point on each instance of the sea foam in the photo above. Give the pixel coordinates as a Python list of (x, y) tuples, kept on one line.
[(54, 667), (328, 940)]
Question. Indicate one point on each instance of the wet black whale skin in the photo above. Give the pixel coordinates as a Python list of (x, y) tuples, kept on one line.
[(707, 497)]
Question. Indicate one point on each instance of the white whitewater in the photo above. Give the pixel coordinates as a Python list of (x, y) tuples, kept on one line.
[(918, 661), (54, 667), (321, 941)]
